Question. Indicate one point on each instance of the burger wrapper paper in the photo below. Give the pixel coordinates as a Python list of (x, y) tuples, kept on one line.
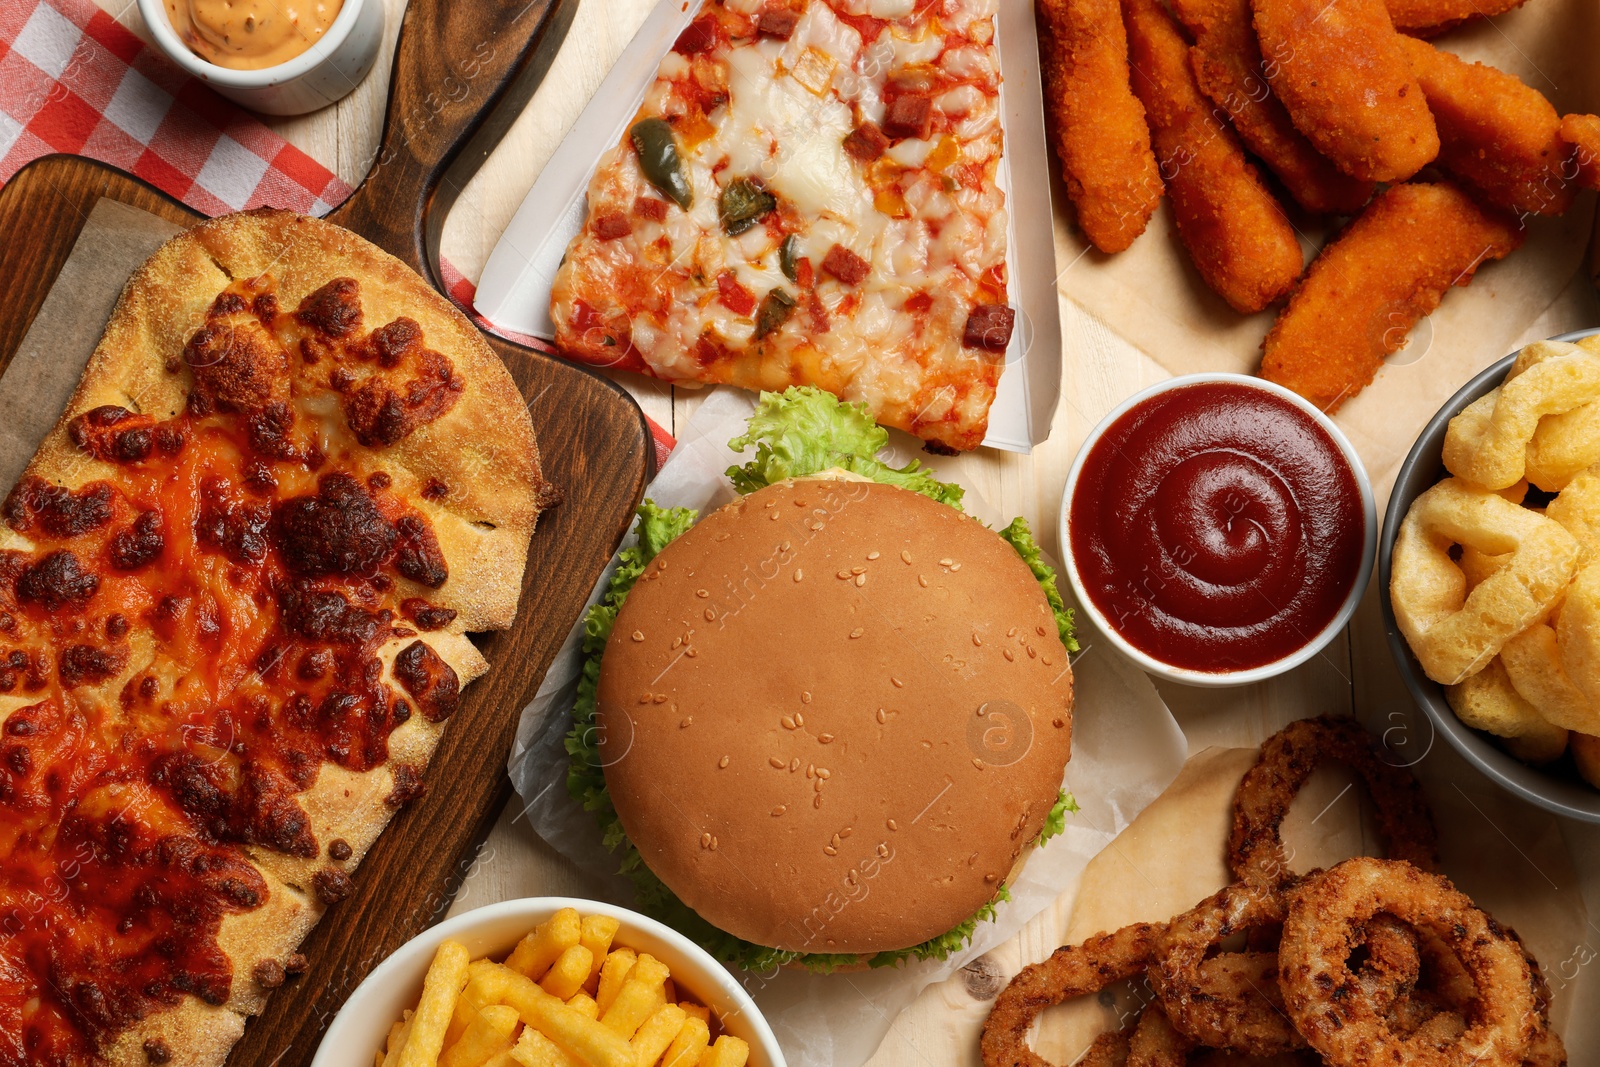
[(1151, 296), (1126, 749)]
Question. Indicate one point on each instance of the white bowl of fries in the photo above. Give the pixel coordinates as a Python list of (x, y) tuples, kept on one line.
[(550, 982)]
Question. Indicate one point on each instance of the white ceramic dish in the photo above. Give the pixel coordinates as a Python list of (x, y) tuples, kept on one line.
[(362, 1024), (317, 77), (1218, 679)]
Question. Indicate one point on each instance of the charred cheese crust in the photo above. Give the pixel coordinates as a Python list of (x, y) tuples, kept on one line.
[(482, 452)]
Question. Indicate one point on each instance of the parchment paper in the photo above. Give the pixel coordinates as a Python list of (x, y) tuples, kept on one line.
[(1126, 748), (1152, 296), (45, 370), (1508, 856)]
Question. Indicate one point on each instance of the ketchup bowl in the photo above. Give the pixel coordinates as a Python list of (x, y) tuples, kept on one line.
[(1218, 529)]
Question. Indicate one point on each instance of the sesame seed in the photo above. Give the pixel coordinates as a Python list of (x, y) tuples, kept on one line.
[(988, 878), (779, 810), (824, 773), (659, 698), (883, 716), (922, 581), (702, 593), (1006, 652), (788, 722), (861, 580), (893, 825), (816, 801), (799, 503), (644, 699), (846, 832), (713, 844), (978, 763), (811, 770), (705, 840), (799, 574), (723, 762), (777, 764), (1058, 722), (1045, 660), (1011, 632), (826, 739), (773, 516), (954, 567), (816, 785), (805, 697), (785, 546), (898, 684), (686, 723), (830, 850), (905, 556), (710, 615), (858, 570), (873, 555), (638, 635), (857, 632), (1031, 653), (976, 640), (835, 841), (794, 765), (816, 527), (947, 561), (844, 576), (1039, 630), (690, 652), (799, 719), (851, 877)]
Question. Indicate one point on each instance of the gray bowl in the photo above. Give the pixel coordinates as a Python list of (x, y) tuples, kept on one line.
[(1557, 788)]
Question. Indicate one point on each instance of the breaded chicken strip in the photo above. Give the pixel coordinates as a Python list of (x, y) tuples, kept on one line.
[(1339, 69), (1227, 66), (1236, 233), (1364, 293), (1099, 126), (1582, 132), (1429, 18), (1499, 138)]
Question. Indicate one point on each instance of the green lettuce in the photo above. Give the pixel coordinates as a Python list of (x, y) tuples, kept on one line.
[(802, 431)]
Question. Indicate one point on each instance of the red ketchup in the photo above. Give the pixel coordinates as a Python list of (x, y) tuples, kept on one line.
[(1217, 527)]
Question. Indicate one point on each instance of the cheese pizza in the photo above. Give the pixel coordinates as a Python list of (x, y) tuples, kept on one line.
[(235, 584), (808, 196)]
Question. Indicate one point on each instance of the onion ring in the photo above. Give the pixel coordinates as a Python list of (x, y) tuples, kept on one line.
[(1489, 701), (1255, 847), (1230, 1001), (1071, 971), (1156, 1042), (1453, 633), (1325, 998)]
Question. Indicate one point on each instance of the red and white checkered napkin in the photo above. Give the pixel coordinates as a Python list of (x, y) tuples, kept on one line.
[(73, 80)]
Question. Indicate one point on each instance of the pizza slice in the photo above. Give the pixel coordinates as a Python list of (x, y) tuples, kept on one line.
[(235, 586), (808, 196)]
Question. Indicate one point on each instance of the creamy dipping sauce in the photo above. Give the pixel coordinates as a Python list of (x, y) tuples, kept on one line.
[(251, 34)]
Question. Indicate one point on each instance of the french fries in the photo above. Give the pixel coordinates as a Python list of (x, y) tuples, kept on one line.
[(566, 996)]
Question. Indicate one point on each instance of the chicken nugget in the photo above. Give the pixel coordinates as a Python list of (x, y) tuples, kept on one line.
[(1429, 18), (1099, 125), (1227, 67), (1582, 132), (1390, 267), (1499, 138), (1339, 69), (1236, 233)]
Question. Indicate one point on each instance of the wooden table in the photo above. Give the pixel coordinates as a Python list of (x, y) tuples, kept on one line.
[(1099, 370)]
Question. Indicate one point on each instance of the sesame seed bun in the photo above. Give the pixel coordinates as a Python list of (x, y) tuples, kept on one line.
[(834, 715)]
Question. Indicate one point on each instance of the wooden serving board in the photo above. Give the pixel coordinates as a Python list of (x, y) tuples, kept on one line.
[(462, 71)]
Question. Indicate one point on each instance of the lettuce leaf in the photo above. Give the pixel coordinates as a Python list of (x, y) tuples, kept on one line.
[(1055, 824), (805, 430), (1020, 537)]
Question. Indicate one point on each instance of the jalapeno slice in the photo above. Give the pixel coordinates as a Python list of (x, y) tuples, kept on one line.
[(743, 204), (658, 158), (789, 257), (775, 309)]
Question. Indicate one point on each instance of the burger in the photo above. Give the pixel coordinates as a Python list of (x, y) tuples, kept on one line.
[(825, 724)]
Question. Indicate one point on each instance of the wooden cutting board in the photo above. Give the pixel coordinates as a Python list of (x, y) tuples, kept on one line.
[(462, 72)]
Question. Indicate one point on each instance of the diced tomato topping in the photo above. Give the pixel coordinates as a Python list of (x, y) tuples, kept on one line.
[(919, 302), (777, 23), (612, 225), (866, 142), (805, 275), (846, 265), (735, 297), (649, 207), (909, 115), (699, 36), (868, 27)]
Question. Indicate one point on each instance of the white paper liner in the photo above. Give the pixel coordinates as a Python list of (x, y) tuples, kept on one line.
[(514, 288), (1126, 749)]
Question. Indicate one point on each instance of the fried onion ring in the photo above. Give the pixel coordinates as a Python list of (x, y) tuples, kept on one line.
[(1230, 1001), (1534, 665), (1578, 636), (1110, 1049), (1565, 445), (1071, 971), (1453, 633), (1326, 1001), (1488, 701), (1255, 846), (1156, 1042), (1487, 444)]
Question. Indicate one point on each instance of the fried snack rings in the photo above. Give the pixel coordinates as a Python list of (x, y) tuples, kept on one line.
[(1231, 1000), (1324, 996), (1234, 230), (1071, 971), (1453, 633), (1565, 445), (1338, 67), (1488, 701), (1487, 444), (1255, 847), (1099, 125)]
